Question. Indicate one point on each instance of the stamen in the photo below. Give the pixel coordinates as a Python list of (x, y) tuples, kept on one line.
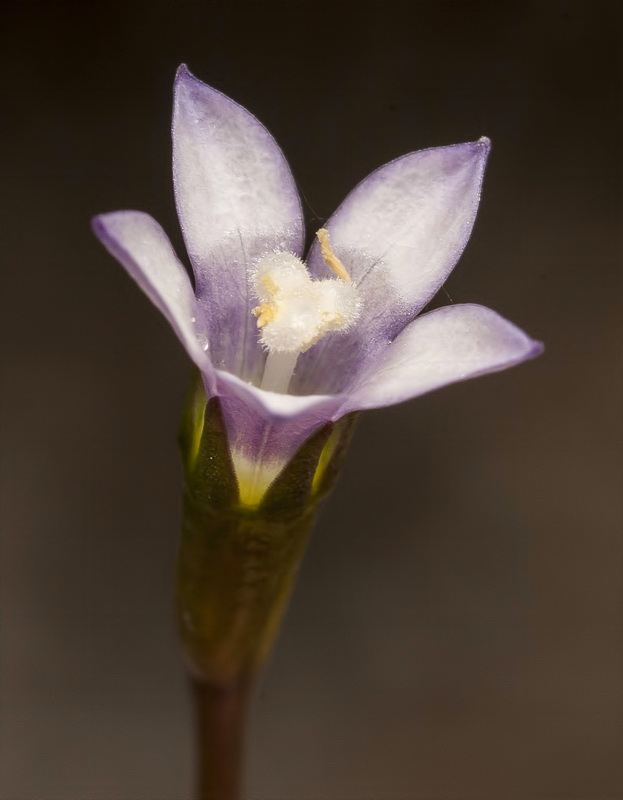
[(329, 256), (294, 311), (265, 313)]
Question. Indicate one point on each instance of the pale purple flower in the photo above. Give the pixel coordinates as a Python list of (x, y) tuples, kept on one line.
[(399, 233)]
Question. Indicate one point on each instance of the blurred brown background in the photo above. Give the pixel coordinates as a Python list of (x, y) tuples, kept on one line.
[(456, 631)]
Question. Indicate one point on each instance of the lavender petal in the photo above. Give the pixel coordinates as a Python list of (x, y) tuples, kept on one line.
[(441, 347), (399, 233), (237, 201), (265, 429), (138, 242)]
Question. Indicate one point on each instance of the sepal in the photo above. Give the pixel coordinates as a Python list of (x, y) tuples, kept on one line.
[(312, 473), (291, 493), (333, 455), (209, 470)]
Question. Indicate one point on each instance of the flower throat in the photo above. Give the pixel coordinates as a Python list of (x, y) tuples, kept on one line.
[(295, 311)]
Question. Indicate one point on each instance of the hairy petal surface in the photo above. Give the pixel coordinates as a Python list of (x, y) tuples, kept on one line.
[(409, 220), (138, 242), (237, 201), (444, 346), (399, 233)]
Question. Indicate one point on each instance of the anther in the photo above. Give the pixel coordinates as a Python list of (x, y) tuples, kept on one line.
[(265, 313), (329, 256)]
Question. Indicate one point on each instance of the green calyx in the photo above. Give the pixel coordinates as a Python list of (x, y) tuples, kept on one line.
[(236, 563)]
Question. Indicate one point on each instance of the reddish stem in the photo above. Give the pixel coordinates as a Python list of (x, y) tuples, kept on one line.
[(221, 716)]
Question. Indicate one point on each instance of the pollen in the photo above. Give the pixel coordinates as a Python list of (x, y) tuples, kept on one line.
[(294, 311), (265, 313)]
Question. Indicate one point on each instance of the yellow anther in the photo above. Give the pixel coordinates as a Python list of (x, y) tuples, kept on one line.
[(265, 313), (329, 256)]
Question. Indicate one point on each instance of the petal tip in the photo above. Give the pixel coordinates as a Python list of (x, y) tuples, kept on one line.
[(99, 224), (183, 75), (193, 94), (525, 346), (183, 78), (96, 223), (534, 349), (480, 150), (187, 87)]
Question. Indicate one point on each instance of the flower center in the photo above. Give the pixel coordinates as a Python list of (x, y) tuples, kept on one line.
[(295, 312)]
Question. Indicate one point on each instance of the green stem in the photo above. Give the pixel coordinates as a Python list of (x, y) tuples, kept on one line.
[(221, 715)]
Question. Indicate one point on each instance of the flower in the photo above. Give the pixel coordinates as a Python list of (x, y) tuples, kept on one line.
[(289, 345)]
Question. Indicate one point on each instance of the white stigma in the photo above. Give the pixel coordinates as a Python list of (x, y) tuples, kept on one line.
[(294, 311)]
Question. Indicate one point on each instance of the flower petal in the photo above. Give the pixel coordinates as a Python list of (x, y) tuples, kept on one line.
[(265, 429), (402, 229), (399, 233), (138, 242), (444, 346), (237, 200)]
